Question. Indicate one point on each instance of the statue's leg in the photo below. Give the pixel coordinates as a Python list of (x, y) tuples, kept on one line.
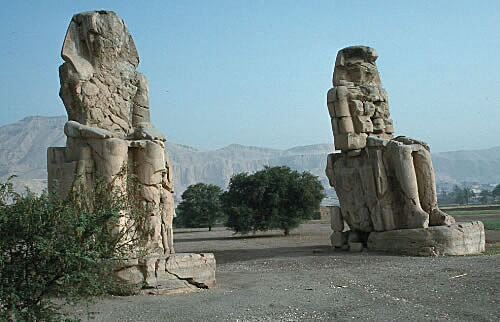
[(110, 156), (148, 167), (406, 176), (427, 188), (170, 234), (166, 249)]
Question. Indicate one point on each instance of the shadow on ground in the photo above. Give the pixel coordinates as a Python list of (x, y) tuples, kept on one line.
[(239, 255), (239, 237)]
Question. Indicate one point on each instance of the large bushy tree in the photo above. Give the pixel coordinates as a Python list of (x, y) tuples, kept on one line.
[(273, 198), (65, 248), (200, 206)]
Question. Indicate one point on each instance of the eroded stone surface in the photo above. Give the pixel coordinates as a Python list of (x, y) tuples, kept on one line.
[(383, 183), (109, 126), (109, 130), (161, 274)]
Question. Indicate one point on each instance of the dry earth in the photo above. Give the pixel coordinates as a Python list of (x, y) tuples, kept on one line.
[(268, 277)]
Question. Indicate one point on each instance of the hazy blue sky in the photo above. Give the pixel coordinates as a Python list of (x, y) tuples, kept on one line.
[(257, 72)]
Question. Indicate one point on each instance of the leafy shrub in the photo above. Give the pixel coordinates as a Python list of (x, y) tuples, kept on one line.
[(61, 247)]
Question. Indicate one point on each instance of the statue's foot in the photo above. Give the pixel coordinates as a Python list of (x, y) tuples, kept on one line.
[(440, 218), (417, 218), (169, 251)]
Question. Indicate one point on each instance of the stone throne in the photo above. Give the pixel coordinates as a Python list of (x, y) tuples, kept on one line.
[(384, 183), (109, 129)]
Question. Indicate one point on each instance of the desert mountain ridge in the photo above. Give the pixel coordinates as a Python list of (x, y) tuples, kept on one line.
[(23, 147)]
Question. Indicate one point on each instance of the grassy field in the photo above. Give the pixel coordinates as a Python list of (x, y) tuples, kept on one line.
[(490, 218), (473, 212), (492, 224)]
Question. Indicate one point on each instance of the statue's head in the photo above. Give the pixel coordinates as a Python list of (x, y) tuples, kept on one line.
[(100, 86), (97, 40), (357, 103), (356, 64)]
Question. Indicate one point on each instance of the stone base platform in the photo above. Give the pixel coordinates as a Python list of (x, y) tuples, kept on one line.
[(466, 238), (163, 274)]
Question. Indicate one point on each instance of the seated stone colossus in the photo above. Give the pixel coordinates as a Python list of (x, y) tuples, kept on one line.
[(108, 119), (110, 135), (382, 182), (385, 184)]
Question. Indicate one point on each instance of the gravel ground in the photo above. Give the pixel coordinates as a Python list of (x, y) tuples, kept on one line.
[(268, 277)]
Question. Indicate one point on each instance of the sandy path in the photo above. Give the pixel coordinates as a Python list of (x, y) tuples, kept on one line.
[(268, 277)]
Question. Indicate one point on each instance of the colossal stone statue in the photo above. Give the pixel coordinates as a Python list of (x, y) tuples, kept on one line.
[(383, 183), (109, 124), (109, 129)]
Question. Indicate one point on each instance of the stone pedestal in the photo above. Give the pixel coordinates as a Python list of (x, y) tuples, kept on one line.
[(457, 239), (163, 274)]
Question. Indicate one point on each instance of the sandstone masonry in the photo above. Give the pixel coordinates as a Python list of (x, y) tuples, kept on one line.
[(384, 183), (109, 129)]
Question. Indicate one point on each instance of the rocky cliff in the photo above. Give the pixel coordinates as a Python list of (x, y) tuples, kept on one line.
[(23, 148)]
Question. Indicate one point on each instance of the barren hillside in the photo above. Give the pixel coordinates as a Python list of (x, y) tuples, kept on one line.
[(23, 148)]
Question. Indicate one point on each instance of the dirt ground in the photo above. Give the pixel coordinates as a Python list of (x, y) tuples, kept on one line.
[(269, 277)]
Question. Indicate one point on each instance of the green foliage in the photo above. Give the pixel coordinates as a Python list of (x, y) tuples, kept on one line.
[(496, 191), (466, 196), (484, 196), (491, 223), (65, 248), (273, 198), (463, 196), (200, 206)]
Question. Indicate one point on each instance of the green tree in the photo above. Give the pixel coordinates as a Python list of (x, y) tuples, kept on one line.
[(65, 248), (200, 206), (484, 196), (273, 198), (463, 196), (496, 191)]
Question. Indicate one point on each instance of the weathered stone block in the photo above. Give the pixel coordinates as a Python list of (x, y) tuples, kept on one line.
[(369, 108), (60, 172), (331, 109), (378, 125), (129, 280), (198, 269), (356, 107), (336, 219), (389, 127), (341, 104), (354, 153), (149, 267), (339, 239), (456, 239), (373, 141), (350, 141), (344, 125), (362, 124)]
